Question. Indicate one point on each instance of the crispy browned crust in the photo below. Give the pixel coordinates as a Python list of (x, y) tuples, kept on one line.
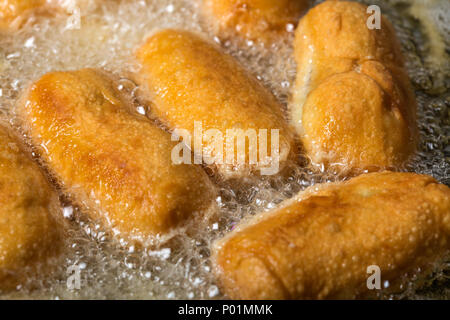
[(14, 13), (320, 244), (31, 233), (258, 20), (353, 104), (117, 166), (189, 79)]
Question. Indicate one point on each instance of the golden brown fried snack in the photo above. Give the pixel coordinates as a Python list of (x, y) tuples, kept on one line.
[(13, 12), (320, 244), (352, 103), (190, 80), (258, 20), (114, 164), (31, 234)]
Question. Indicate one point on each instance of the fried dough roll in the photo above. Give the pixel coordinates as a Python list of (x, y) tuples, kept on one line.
[(31, 234), (258, 20), (320, 244), (352, 103), (190, 80), (114, 164)]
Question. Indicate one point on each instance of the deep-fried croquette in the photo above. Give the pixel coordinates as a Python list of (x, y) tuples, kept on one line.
[(353, 104), (258, 20), (190, 80), (31, 233), (114, 164), (320, 244)]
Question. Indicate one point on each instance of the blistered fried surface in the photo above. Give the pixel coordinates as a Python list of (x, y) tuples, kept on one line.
[(352, 105), (114, 164), (14, 12), (320, 244), (30, 234), (258, 20), (189, 80)]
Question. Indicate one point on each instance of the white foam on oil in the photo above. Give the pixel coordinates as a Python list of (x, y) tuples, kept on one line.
[(108, 37)]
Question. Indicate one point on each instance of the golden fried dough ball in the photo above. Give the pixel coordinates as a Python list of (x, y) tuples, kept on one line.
[(259, 20), (114, 164), (31, 234), (190, 80), (320, 244), (352, 103)]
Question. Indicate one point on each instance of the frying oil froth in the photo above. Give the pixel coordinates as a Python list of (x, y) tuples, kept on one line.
[(108, 37)]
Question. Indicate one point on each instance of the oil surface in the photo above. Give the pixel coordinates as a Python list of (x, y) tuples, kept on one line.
[(107, 38)]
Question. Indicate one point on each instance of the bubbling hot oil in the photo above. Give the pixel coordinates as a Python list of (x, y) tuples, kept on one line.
[(108, 36)]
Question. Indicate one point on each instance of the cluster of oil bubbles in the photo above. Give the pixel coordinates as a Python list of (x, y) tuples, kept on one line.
[(108, 36)]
